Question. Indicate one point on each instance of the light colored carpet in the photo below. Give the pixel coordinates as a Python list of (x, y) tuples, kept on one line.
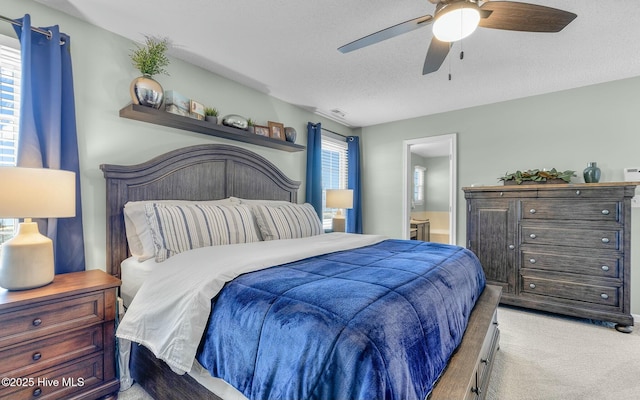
[(549, 357)]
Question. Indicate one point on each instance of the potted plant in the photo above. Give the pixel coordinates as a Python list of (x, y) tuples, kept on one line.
[(211, 115), (251, 125), (150, 60), (534, 176)]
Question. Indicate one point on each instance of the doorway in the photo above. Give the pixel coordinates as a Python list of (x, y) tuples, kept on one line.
[(433, 199)]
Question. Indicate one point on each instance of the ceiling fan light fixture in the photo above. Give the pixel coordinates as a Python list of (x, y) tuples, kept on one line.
[(456, 21)]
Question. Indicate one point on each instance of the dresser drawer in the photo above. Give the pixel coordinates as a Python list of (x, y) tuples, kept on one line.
[(574, 210), (605, 239), (596, 266), (23, 360), (605, 295), (57, 383), (38, 321)]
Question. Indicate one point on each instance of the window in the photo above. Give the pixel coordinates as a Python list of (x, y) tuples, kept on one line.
[(418, 185), (10, 74), (334, 171)]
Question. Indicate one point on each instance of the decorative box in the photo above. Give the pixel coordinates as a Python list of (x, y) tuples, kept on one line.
[(176, 103), (197, 110)]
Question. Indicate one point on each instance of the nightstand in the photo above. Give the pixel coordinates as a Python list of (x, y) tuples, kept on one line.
[(58, 341)]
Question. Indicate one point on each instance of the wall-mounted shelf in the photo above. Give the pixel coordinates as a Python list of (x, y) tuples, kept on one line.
[(160, 117)]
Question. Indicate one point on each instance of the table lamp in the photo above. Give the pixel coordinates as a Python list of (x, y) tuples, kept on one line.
[(339, 198), (26, 260)]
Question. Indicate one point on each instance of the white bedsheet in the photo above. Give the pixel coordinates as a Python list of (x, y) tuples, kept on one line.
[(133, 273), (170, 311)]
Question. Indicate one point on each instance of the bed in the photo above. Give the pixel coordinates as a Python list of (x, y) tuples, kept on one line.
[(210, 172)]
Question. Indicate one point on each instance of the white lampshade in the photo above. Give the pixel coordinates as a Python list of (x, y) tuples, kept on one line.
[(456, 21), (27, 259), (339, 198)]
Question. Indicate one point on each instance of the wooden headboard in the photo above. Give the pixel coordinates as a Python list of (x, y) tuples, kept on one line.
[(203, 172)]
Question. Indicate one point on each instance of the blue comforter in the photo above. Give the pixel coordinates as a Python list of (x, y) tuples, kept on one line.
[(378, 322)]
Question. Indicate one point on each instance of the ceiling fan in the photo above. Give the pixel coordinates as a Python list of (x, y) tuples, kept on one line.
[(457, 19)]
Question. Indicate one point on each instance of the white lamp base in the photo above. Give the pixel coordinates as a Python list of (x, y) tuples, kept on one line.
[(26, 261), (338, 223)]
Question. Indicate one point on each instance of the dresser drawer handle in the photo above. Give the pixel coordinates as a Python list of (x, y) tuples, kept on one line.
[(36, 322), (532, 211), (36, 356), (511, 247), (578, 193), (605, 240), (533, 236), (532, 260), (37, 392), (532, 285), (604, 268), (604, 296), (605, 212)]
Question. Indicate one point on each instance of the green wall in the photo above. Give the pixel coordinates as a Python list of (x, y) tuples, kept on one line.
[(564, 130), (102, 73)]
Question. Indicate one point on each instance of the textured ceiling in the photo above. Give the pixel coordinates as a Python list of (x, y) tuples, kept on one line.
[(383, 82)]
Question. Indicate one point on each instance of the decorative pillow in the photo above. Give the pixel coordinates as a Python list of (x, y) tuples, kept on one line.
[(137, 230), (178, 228), (287, 221)]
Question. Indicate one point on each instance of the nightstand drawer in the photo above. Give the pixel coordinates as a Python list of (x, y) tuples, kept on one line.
[(23, 360), (38, 321), (58, 383)]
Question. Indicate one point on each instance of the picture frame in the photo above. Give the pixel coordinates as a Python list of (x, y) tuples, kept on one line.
[(276, 130), (262, 130)]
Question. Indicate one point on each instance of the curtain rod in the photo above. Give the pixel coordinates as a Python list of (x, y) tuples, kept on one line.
[(40, 31)]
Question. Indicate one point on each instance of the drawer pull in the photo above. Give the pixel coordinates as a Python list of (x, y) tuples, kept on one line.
[(511, 247), (501, 194), (605, 268), (605, 240), (533, 236), (532, 211), (604, 296), (532, 260), (605, 212), (37, 392), (532, 285), (578, 193), (36, 322), (36, 356)]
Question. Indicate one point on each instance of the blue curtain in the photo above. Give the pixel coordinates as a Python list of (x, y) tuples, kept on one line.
[(48, 137), (354, 215), (314, 167)]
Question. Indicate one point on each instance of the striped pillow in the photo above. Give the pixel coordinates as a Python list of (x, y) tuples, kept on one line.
[(287, 221), (180, 227)]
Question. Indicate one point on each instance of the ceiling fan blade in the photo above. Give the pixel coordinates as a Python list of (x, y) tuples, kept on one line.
[(524, 17), (436, 55), (387, 33)]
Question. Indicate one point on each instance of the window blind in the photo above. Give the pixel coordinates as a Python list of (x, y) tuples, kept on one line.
[(334, 171), (10, 74)]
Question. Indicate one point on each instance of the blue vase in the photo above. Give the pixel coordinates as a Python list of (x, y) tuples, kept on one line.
[(591, 173)]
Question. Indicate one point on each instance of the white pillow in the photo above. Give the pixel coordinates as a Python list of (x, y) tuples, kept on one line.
[(287, 221), (176, 228), (137, 230)]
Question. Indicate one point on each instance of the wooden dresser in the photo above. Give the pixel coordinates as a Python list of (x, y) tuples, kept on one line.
[(57, 341), (563, 248)]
